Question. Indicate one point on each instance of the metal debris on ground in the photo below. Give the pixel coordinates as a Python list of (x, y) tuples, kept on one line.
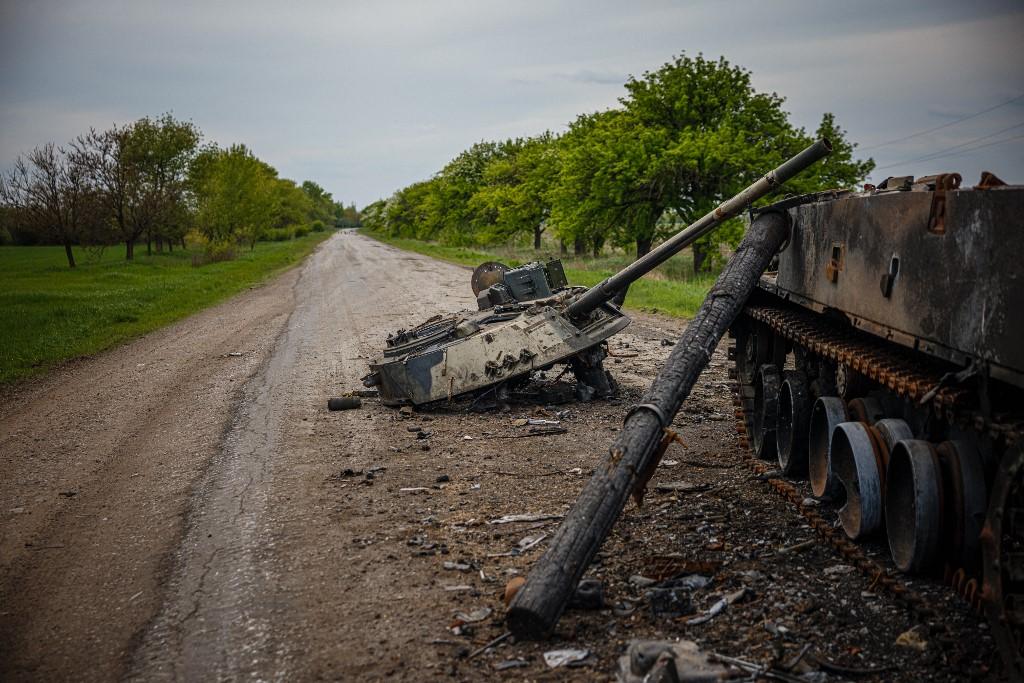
[(718, 607), (570, 657), (682, 661), (589, 595), (510, 664), (473, 616), (344, 403), (511, 519), (680, 487)]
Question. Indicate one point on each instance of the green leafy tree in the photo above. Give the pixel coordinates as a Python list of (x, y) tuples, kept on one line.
[(514, 196), (320, 202), (237, 196), (713, 134), (140, 171)]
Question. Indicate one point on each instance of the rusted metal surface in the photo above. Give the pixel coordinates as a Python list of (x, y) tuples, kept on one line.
[(936, 270), (908, 376)]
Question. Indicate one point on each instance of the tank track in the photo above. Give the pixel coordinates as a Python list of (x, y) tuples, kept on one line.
[(1000, 594), (908, 376)]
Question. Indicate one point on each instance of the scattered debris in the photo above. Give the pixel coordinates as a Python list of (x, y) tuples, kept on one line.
[(476, 615), (233, 354), (717, 607), (681, 487), (489, 645), (912, 639), (798, 547), (442, 479), (457, 566), (589, 595), (683, 661), (414, 489), (838, 569), (570, 657), (540, 421), (511, 519), (510, 664), (344, 403), (641, 581)]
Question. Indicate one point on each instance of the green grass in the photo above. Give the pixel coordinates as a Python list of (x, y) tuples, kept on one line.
[(50, 313), (672, 289)]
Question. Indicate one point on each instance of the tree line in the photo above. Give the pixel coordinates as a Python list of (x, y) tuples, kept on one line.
[(683, 138), (153, 181)]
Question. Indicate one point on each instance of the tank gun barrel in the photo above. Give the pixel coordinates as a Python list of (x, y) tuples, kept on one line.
[(607, 289)]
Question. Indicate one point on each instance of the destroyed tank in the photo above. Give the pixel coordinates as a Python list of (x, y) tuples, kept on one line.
[(882, 357), (530, 319)]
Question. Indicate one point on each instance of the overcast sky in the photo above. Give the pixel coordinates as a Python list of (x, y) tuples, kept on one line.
[(366, 97)]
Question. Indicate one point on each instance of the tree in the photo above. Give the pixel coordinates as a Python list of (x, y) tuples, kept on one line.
[(237, 195), (321, 204), (49, 194), (606, 188), (515, 192), (713, 134), (140, 171)]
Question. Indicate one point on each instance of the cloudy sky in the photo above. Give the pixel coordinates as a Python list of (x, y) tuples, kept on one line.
[(366, 97)]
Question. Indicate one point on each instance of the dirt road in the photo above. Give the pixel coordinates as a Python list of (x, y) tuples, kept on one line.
[(184, 507)]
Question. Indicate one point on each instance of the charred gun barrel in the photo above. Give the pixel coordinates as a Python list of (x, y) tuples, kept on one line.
[(530, 319), (730, 208)]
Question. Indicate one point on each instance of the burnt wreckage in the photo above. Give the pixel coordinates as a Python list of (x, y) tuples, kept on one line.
[(531, 319), (882, 357), (878, 350)]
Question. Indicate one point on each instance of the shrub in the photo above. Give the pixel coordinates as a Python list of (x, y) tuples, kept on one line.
[(301, 230), (317, 226), (219, 251), (279, 235)]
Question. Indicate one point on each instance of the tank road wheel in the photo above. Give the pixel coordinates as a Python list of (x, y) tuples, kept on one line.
[(828, 413), (766, 411), (791, 429), (913, 505), (1002, 542)]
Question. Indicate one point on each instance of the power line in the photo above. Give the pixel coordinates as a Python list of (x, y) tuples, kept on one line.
[(942, 152), (940, 127), (971, 149)]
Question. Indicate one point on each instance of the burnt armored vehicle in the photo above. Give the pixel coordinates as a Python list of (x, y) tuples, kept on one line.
[(882, 357), (531, 319)]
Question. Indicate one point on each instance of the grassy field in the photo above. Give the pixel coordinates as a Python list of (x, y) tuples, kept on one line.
[(672, 289), (50, 313)]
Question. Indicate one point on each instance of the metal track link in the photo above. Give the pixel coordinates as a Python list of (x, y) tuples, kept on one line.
[(903, 373)]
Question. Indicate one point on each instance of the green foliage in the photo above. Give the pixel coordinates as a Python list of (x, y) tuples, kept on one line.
[(317, 226), (279, 234), (49, 313), (686, 137), (680, 297), (302, 230)]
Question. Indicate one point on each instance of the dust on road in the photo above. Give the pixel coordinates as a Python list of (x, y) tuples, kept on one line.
[(171, 510)]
